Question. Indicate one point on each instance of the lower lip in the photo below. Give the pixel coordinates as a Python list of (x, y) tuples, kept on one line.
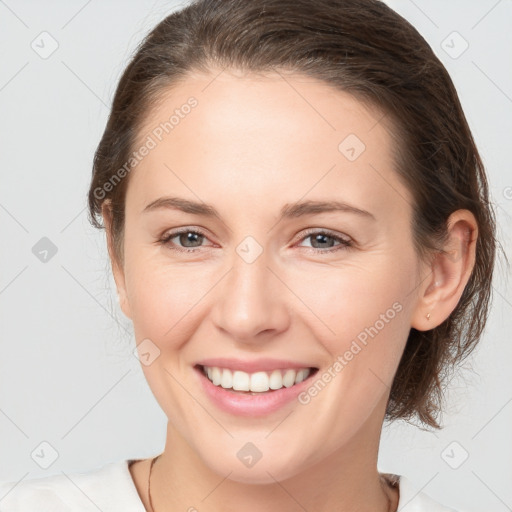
[(243, 404)]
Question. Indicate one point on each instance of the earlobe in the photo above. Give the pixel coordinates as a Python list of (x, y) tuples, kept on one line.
[(117, 268), (448, 274)]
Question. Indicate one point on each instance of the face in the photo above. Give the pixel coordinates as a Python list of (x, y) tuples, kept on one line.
[(305, 270)]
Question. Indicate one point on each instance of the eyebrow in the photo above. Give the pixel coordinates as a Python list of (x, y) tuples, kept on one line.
[(288, 211)]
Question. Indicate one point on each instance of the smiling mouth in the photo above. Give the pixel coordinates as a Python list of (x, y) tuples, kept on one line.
[(257, 382)]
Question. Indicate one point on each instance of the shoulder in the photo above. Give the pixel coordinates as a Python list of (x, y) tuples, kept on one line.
[(109, 487), (413, 499)]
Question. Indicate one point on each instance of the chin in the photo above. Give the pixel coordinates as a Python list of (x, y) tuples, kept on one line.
[(266, 470)]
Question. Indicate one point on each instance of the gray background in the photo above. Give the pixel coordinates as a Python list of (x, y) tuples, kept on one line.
[(68, 378)]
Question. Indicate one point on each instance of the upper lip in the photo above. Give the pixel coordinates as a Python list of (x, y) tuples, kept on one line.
[(252, 366)]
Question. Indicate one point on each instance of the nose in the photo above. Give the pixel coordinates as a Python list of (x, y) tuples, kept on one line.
[(251, 303)]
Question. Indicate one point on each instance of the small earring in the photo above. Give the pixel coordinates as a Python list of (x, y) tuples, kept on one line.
[(428, 316)]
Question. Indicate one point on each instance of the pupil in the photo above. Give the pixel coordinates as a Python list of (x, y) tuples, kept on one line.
[(189, 237), (321, 238)]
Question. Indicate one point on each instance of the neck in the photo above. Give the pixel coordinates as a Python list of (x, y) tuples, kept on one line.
[(348, 480)]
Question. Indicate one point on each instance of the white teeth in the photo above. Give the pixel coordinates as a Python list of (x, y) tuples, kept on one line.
[(241, 381), (276, 380), (216, 376), (289, 378), (227, 379), (258, 382), (301, 375)]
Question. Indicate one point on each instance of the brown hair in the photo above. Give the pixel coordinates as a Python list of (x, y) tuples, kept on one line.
[(362, 47)]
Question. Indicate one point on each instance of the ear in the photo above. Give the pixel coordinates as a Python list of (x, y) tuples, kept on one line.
[(448, 273), (117, 266)]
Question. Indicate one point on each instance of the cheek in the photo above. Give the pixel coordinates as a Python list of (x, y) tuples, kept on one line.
[(165, 302), (362, 310), (162, 297), (365, 321)]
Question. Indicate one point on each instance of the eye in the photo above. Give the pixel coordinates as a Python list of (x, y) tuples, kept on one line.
[(190, 240), (184, 236), (322, 241)]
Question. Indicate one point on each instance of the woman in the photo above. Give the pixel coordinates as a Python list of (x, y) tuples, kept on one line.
[(298, 224)]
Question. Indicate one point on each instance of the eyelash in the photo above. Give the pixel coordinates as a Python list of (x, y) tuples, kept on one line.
[(343, 243)]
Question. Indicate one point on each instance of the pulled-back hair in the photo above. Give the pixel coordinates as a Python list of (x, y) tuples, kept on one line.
[(366, 49)]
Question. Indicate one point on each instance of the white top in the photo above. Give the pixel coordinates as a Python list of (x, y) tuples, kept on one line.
[(110, 488)]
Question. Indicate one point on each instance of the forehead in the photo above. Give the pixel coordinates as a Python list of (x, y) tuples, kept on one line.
[(269, 136), (300, 104)]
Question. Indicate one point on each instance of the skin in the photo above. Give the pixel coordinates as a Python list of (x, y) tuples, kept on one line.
[(275, 137)]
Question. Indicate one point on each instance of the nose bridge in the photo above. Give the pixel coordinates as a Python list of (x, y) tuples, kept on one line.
[(248, 301)]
